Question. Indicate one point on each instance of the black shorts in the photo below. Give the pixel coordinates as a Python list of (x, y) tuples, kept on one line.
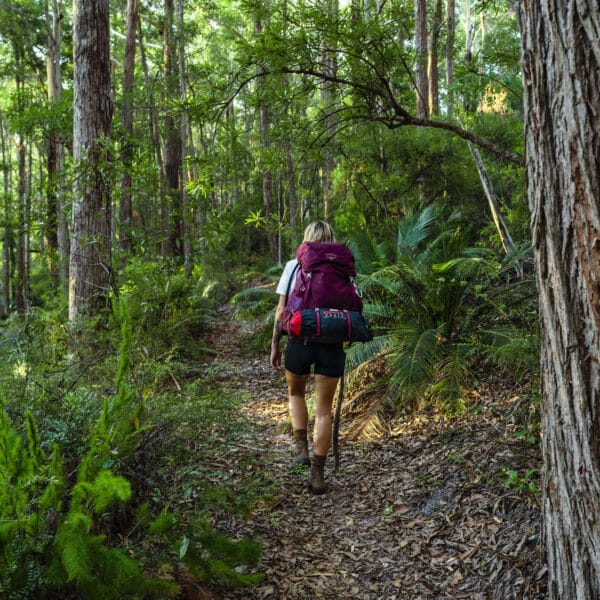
[(328, 359)]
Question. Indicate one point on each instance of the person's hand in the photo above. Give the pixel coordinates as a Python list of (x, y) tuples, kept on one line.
[(276, 356)]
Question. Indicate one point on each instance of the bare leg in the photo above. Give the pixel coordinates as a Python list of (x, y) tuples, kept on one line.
[(324, 390), (297, 401)]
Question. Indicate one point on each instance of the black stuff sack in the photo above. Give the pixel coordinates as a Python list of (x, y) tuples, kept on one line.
[(329, 326)]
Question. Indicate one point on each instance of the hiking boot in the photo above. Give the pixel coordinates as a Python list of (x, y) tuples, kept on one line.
[(301, 448), (317, 483)]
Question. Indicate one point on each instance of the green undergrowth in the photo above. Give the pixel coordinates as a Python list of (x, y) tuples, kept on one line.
[(200, 450), (115, 465)]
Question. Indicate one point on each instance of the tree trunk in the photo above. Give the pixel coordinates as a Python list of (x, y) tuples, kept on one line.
[(90, 272), (8, 234), (422, 82), (21, 280), (329, 66), (172, 139), (561, 73), (292, 199), (434, 41), (126, 207), (468, 25), (499, 222), (155, 137), (57, 236), (450, 39), (183, 129), (264, 125)]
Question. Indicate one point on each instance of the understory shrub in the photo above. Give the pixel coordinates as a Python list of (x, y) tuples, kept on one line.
[(443, 307), (66, 503), (169, 310)]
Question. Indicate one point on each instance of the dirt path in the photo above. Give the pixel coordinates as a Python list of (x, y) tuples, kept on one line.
[(421, 513)]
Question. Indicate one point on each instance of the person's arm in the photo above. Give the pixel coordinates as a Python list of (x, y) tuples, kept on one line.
[(275, 340)]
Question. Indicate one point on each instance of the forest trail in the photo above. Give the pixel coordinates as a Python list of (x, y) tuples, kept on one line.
[(420, 513)]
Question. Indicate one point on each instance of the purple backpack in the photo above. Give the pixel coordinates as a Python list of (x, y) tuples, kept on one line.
[(324, 278)]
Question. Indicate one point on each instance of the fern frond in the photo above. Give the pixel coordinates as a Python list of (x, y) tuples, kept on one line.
[(53, 495), (163, 523), (75, 545)]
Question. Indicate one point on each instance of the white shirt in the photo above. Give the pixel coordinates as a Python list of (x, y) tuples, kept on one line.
[(284, 280)]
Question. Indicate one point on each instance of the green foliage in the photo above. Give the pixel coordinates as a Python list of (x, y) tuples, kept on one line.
[(214, 557), (257, 303), (54, 533), (521, 483), (444, 304), (206, 553), (49, 539), (169, 311)]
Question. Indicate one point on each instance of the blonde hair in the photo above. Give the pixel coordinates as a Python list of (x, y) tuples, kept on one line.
[(319, 231)]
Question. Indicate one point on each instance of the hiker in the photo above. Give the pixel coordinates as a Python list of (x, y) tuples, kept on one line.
[(300, 355)]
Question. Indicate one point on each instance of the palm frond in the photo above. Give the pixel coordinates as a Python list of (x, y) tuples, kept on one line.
[(451, 373), (515, 351), (381, 282), (368, 254), (468, 268), (358, 354), (412, 363), (415, 228)]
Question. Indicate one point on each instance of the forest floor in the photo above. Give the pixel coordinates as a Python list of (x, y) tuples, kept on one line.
[(422, 511)]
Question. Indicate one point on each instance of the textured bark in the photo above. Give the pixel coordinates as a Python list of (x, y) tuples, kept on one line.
[(561, 72), (90, 261), (126, 206), (422, 80)]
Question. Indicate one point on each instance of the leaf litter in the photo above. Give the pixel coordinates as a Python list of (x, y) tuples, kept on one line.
[(419, 512)]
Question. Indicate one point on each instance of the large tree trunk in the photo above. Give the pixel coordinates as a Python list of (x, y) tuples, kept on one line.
[(561, 73), (126, 206), (90, 272), (421, 78)]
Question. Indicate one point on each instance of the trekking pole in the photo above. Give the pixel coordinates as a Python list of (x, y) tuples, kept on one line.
[(336, 425)]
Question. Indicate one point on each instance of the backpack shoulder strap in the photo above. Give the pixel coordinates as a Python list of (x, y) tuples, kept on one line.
[(290, 280)]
